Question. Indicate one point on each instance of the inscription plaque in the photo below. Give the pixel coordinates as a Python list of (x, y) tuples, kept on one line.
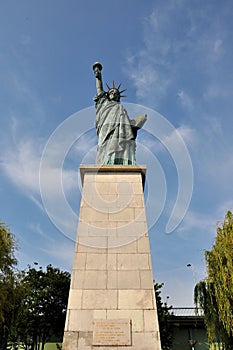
[(112, 332)]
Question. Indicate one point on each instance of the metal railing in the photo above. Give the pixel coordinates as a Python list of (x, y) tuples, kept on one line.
[(186, 312)]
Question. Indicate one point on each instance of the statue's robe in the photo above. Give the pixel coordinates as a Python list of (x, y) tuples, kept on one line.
[(116, 135)]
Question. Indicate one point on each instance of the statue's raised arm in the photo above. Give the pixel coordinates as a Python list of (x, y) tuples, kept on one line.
[(116, 132), (97, 68)]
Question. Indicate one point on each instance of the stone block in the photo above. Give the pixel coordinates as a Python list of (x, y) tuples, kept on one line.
[(133, 261), (77, 279), (96, 231), (124, 200), (125, 188), (137, 201), (143, 245), (137, 188), (96, 261), (75, 299), (89, 187), (132, 228), (100, 314), (90, 215), (82, 228), (128, 279), (91, 244), (85, 341), (104, 188), (67, 320), (140, 214), (70, 340), (146, 279), (146, 341), (150, 321), (95, 279), (133, 177), (125, 215), (99, 299), (112, 281), (103, 224), (135, 299), (79, 261), (80, 320), (111, 261), (122, 245)]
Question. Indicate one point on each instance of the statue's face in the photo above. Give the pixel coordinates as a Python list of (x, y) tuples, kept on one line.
[(114, 95)]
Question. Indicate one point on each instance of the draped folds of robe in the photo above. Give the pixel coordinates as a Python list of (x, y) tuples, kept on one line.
[(116, 140)]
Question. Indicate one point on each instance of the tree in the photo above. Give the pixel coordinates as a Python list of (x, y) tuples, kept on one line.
[(215, 294), (44, 303), (7, 281), (166, 334)]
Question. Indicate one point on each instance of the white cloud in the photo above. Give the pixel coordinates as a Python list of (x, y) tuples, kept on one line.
[(197, 221), (222, 210), (184, 132), (37, 202), (21, 165), (36, 228), (149, 68), (217, 46), (172, 56), (216, 91), (62, 252), (185, 99)]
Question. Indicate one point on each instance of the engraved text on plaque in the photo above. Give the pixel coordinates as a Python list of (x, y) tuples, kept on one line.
[(112, 332)]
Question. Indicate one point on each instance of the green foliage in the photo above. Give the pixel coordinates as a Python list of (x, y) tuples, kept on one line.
[(32, 303), (44, 296), (204, 297), (166, 334), (215, 294), (7, 282), (7, 249)]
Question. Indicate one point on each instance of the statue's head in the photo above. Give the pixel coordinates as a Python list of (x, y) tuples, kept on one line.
[(114, 93)]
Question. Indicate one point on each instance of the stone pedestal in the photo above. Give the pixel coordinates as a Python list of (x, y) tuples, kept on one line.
[(111, 302)]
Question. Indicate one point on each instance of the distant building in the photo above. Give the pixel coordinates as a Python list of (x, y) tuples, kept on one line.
[(188, 329)]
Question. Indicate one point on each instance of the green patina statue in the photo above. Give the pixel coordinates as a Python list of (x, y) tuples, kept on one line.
[(116, 132)]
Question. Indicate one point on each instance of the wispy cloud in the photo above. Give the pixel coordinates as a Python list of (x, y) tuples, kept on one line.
[(62, 252), (197, 221), (186, 133), (59, 250), (21, 166), (172, 55), (185, 99)]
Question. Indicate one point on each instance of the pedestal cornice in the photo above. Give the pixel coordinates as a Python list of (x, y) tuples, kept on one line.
[(95, 169)]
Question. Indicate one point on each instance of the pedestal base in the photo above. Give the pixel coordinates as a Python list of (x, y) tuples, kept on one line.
[(112, 302)]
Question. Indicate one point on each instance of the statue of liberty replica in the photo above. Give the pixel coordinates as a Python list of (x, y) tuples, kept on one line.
[(116, 132), (112, 300)]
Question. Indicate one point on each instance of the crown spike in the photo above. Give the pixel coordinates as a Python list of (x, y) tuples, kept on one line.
[(113, 84), (122, 91), (119, 86), (108, 86)]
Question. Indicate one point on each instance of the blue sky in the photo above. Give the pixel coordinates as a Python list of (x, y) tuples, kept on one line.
[(175, 59)]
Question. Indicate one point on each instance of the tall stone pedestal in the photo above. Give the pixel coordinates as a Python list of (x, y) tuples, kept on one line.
[(111, 302)]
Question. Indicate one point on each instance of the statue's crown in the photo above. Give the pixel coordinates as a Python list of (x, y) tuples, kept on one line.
[(116, 88)]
